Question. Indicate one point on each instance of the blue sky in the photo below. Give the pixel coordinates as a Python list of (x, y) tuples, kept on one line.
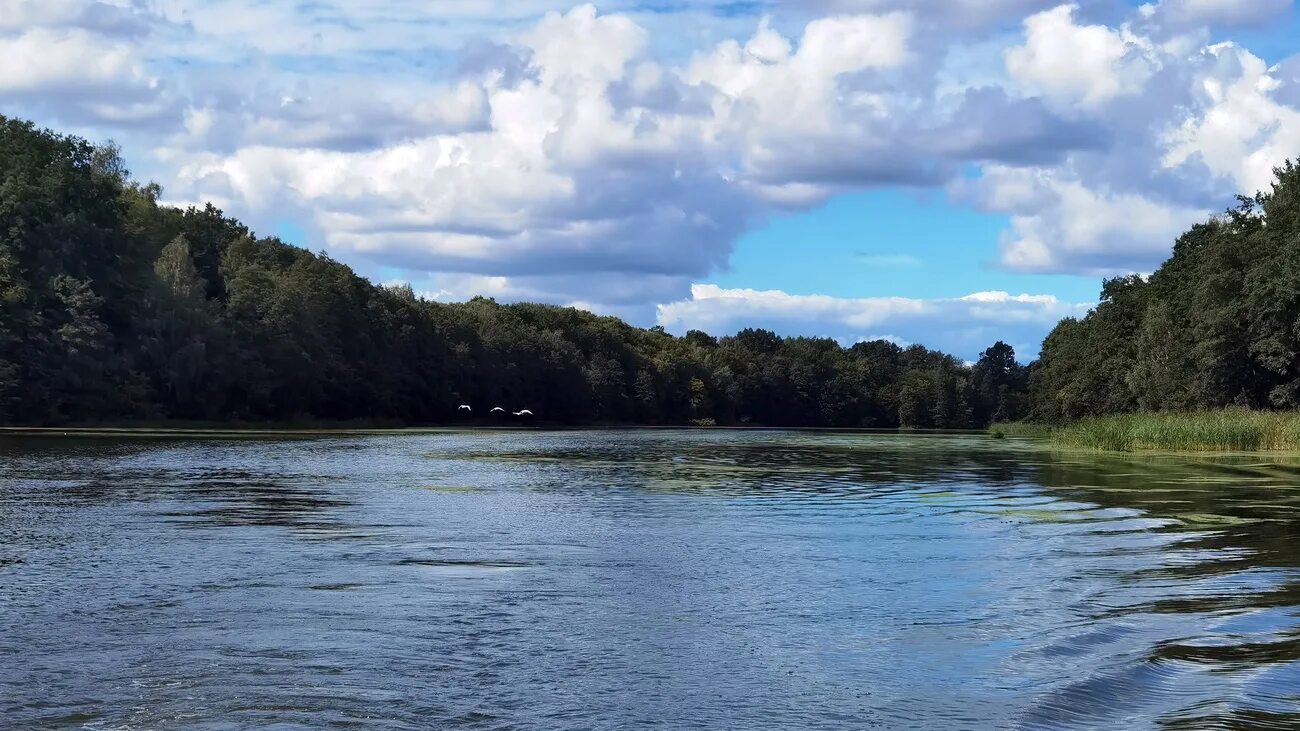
[(890, 242), (945, 172)]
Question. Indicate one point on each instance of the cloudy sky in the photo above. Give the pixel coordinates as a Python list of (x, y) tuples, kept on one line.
[(948, 172)]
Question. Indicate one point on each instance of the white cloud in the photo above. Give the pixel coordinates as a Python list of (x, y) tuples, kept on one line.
[(1084, 64), (786, 111), (232, 30), (628, 296), (68, 60), (1190, 125), (961, 14), (25, 14), (1216, 12), (583, 47), (78, 63), (350, 118), (1060, 225), (1239, 130), (962, 325), (613, 158), (112, 17), (563, 177)]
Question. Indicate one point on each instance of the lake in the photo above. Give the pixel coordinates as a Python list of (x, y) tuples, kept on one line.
[(703, 579)]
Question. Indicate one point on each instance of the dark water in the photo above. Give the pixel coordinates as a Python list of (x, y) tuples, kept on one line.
[(715, 580)]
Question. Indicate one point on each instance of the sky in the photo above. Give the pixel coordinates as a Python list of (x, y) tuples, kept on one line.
[(944, 172)]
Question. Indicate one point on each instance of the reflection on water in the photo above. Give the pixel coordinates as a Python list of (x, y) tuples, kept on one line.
[(705, 579)]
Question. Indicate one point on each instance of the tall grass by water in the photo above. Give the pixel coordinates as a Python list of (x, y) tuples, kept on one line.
[(1230, 430), (1001, 429)]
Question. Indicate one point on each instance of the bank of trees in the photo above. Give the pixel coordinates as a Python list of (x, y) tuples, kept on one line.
[(114, 307), (1217, 325)]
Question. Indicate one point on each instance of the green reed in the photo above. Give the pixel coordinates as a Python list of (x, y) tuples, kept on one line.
[(1019, 429), (1229, 430)]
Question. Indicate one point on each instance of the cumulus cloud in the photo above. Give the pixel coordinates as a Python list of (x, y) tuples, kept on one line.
[(594, 161), (961, 325), (80, 62), (68, 60), (1216, 12), (1184, 127), (1060, 225), (322, 116), (1073, 63), (795, 126), (607, 160), (613, 157), (109, 18), (989, 124), (1239, 129), (960, 14)]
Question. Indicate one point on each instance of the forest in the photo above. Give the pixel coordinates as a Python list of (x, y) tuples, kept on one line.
[(115, 308), (1216, 326)]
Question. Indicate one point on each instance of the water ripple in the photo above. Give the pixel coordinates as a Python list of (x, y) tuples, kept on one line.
[(607, 580)]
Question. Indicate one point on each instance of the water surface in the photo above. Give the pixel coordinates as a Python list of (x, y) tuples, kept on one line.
[(611, 580)]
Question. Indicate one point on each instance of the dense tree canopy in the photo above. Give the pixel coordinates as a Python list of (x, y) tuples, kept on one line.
[(114, 307), (1217, 325)]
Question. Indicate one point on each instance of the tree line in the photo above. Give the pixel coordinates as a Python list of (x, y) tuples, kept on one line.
[(116, 308), (1217, 325)]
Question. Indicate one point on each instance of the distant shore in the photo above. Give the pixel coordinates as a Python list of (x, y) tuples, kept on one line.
[(190, 429)]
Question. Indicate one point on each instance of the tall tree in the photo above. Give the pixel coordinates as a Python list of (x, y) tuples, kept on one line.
[(115, 306)]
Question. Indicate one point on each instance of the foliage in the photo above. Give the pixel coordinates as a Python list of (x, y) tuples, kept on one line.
[(114, 307), (1019, 429), (1219, 430), (1217, 325)]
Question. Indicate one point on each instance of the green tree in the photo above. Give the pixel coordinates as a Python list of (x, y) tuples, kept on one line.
[(114, 305), (999, 383)]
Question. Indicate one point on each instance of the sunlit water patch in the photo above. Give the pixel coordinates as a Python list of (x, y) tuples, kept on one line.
[(607, 580)]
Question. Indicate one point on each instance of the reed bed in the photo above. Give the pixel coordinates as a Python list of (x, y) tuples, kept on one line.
[(1019, 429), (1230, 430)]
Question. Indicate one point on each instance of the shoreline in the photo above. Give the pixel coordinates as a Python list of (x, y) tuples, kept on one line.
[(1209, 432), (1045, 440), (261, 430)]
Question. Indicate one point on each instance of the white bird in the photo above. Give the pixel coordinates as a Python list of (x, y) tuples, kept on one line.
[(464, 407), (523, 412), (497, 409)]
